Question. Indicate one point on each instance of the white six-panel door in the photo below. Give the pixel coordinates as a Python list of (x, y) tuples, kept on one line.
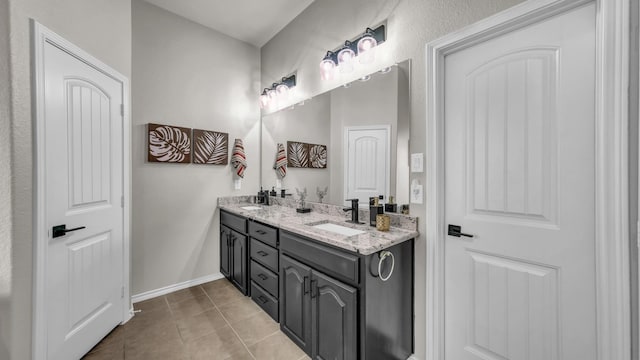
[(84, 188), (519, 177)]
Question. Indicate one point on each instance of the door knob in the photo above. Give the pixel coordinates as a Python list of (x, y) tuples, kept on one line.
[(456, 230), (61, 230)]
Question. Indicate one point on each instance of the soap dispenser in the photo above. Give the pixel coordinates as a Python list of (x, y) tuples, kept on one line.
[(374, 209), (273, 192), (390, 206), (260, 197)]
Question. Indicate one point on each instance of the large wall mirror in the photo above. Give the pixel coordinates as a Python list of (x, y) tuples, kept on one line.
[(365, 127)]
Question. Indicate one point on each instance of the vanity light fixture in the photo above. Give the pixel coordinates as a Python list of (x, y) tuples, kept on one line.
[(328, 66), (277, 92), (346, 56), (362, 48)]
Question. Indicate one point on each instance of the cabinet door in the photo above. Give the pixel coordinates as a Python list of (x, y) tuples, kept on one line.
[(239, 260), (224, 251), (295, 302), (334, 320)]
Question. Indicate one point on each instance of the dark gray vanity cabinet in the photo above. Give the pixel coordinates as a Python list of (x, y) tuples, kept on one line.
[(225, 258), (295, 302), (319, 312), (334, 305), (264, 267), (234, 250)]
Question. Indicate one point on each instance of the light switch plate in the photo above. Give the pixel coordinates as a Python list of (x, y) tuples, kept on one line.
[(417, 161), (237, 184)]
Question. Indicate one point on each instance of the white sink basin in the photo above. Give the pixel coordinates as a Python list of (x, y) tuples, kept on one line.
[(250, 207), (338, 229)]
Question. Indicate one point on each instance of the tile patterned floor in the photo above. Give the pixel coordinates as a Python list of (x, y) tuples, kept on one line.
[(209, 321)]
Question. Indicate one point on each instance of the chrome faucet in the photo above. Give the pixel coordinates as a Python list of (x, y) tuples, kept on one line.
[(354, 211)]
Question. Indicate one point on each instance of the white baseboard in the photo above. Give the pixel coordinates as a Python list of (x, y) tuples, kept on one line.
[(175, 287)]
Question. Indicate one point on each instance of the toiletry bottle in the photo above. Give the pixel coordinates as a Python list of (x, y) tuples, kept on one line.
[(390, 206), (273, 191), (374, 210), (260, 196)]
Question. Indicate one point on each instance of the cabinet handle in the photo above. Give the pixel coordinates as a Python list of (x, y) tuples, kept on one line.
[(261, 232), (305, 285), (314, 286), (262, 276), (262, 299), (262, 253)]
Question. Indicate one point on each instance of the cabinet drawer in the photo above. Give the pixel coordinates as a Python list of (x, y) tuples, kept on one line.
[(264, 300), (264, 254), (333, 262), (233, 221), (265, 278), (264, 233)]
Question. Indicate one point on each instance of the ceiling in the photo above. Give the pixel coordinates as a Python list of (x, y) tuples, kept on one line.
[(252, 21)]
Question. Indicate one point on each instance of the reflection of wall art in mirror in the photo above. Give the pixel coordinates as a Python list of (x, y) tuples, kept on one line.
[(303, 155), (170, 144), (318, 156), (297, 154), (210, 147)]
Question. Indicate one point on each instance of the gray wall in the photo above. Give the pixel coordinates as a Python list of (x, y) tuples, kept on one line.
[(187, 75), (103, 29), (5, 185), (411, 24)]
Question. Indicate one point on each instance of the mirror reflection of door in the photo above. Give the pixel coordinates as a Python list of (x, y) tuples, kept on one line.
[(366, 162)]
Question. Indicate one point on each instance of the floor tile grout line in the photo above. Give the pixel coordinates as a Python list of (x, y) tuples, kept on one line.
[(231, 327)]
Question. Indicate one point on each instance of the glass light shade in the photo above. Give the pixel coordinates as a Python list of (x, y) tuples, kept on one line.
[(272, 94), (327, 69), (345, 60), (283, 92), (264, 101), (367, 49), (273, 98)]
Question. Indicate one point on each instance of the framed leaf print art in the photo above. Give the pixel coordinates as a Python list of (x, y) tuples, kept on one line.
[(297, 154), (169, 144), (317, 156), (210, 147), (303, 155)]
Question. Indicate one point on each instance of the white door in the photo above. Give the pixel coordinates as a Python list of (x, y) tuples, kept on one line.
[(367, 162), (84, 188), (519, 176)]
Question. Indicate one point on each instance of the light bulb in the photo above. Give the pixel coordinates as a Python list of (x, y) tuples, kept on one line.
[(367, 49), (264, 101), (272, 94), (345, 60), (327, 69), (283, 92)]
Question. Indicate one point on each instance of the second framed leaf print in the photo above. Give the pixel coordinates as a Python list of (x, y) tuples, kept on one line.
[(210, 147)]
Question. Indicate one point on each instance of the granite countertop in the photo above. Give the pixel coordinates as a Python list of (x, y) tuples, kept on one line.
[(286, 218)]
